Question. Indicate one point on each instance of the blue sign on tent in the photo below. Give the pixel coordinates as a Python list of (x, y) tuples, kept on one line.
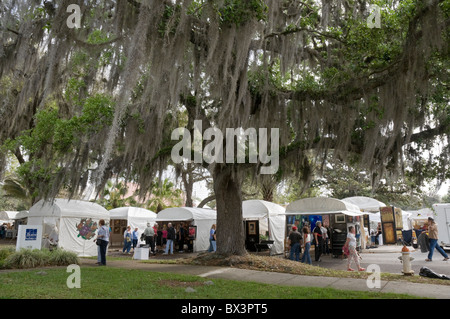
[(31, 234)]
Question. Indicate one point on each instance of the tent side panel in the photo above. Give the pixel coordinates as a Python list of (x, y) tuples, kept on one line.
[(71, 240), (203, 227), (277, 233)]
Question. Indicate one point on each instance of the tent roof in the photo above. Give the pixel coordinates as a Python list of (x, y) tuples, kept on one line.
[(322, 205), (260, 209), (185, 213), (68, 208), (421, 213), (22, 214), (366, 204), (7, 215), (131, 212)]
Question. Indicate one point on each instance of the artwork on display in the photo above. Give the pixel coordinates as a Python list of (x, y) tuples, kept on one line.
[(192, 232), (252, 228), (339, 218), (326, 220)]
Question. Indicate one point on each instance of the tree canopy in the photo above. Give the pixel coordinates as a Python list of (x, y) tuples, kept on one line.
[(84, 104)]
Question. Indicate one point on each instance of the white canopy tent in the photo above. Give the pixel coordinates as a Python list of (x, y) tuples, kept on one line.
[(136, 217), (366, 204), (201, 217), (271, 218), (7, 216), (420, 216), (322, 206), (73, 222)]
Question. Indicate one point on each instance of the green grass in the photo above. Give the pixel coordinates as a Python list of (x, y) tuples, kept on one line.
[(117, 283)]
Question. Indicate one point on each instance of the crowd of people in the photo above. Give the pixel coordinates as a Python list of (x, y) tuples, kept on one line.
[(302, 240)]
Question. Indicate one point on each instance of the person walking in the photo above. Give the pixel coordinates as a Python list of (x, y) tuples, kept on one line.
[(318, 241), (295, 239), (350, 244), (212, 239), (306, 246), (127, 240), (433, 236), (103, 238), (170, 239)]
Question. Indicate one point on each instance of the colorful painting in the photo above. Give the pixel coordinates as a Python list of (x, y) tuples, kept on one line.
[(86, 228)]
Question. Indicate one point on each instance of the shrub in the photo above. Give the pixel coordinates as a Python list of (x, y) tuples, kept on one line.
[(61, 257), (5, 253), (27, 258)]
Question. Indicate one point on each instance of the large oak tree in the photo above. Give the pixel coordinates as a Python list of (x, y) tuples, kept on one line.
[(84, 104)]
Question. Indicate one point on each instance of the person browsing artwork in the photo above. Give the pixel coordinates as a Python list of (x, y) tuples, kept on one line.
[(103, 241), (295, 239)]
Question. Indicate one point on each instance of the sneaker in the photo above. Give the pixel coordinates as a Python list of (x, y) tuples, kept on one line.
[(446, 258), (428, 259)]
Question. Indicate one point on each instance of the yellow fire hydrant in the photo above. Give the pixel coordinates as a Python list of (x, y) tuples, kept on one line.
[(406, 259)]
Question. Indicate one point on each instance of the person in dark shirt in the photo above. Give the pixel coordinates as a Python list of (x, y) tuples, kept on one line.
[(295, 239), (170, 239), (318, 241)]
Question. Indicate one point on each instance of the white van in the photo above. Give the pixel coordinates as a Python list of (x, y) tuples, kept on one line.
[(443, 221)]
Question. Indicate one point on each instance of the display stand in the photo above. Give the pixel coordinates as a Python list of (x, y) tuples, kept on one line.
[(141, 253)]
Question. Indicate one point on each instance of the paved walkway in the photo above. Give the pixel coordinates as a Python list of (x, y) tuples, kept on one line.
[(421, 290)]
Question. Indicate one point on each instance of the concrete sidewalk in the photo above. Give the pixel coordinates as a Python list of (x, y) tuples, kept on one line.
[(400, 287)]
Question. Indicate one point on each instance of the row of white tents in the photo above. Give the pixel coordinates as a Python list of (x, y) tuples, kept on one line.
[(72, 223), (75, 221)]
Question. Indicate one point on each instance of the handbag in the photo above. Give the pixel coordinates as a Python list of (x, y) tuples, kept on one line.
[(98, 242), (345, 250)]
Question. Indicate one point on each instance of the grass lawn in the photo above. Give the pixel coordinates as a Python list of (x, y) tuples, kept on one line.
[(119, 283)]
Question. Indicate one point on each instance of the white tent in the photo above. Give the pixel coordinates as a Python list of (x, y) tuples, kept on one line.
[(366, 204), (369, 205), (136, 217), (73, 222), (420, 216), (322, 206), (7, 217), (271, 218), (201, 217)]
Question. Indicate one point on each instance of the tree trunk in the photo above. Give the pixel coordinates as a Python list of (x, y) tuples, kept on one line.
[(230, 226)]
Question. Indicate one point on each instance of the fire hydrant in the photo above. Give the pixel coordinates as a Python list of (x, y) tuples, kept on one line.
[(406, 259)]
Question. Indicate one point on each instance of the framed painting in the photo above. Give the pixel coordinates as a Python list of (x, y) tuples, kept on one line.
[(339, 218)]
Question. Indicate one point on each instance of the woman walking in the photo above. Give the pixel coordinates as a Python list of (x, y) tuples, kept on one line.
[(350, 244)]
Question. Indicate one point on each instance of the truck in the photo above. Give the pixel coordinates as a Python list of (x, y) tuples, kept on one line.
[(442, 218)]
